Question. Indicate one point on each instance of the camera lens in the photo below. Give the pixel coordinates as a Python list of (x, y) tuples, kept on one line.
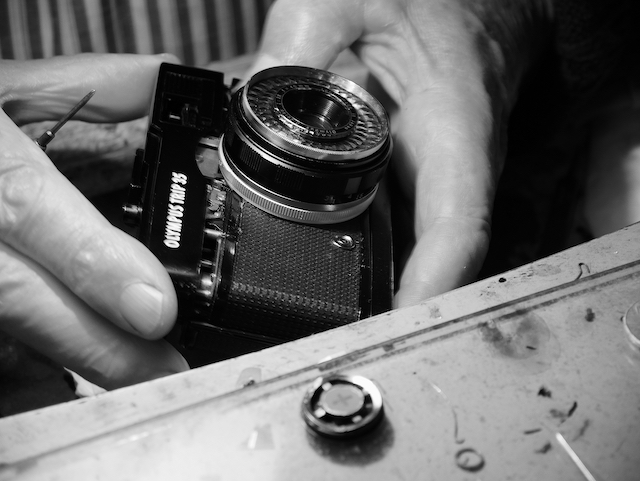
[(316, 113), (305, 144)]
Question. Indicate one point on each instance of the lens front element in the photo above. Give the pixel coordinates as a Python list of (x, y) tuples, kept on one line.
[(317, 114)]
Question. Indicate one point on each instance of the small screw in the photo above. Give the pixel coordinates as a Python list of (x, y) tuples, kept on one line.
[(344, 241)]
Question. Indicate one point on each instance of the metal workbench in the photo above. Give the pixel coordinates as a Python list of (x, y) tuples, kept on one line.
[(484, 382)]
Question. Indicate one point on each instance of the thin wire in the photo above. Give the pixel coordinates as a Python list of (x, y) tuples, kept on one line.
[(574, 457)]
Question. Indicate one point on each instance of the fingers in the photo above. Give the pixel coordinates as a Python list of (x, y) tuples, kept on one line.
[(46, 89), (425, 55), (36, 308), (448, 254), (72, 285), (446, 138), (46, 219), (308, 32)]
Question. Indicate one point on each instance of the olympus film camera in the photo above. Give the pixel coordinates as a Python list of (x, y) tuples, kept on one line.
[(265, 206)]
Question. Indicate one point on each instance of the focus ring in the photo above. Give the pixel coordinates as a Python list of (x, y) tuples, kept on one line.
[(298, 182), (285, 208)]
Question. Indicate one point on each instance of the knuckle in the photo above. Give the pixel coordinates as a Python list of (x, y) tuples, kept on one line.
[(96, 264), (21, 188), (88, 256)]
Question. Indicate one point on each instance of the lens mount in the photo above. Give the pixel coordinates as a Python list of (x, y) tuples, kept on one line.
[(308, 140)]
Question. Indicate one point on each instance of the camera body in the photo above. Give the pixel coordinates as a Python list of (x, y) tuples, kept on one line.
[(248, 276)]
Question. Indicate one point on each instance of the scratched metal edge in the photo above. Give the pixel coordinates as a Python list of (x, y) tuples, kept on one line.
[(367, 355), (364, 356)]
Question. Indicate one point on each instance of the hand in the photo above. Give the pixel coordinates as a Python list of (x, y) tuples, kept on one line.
[(71, 285), (452, 68)]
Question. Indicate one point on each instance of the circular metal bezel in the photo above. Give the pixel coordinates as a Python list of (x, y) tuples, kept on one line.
[(334, 424), (265, 90)]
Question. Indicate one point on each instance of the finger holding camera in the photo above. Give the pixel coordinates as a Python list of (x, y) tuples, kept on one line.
[(452, 69), (71, 285)]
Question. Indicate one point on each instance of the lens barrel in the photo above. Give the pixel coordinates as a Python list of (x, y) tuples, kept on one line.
[(305, 145)]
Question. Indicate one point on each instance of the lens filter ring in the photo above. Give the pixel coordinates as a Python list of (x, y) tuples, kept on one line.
[(309, 139)]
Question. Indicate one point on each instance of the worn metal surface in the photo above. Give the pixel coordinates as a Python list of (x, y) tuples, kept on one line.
[(476, 385)]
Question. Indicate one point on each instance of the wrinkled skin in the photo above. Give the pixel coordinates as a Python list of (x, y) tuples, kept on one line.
[(96, 301), (452, 68), (71, 285)]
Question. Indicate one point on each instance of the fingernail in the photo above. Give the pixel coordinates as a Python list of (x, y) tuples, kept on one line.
[(166, 373), (141, 307), (175, 364)]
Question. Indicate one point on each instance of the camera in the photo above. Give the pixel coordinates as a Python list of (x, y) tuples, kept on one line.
[(266, 205)]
